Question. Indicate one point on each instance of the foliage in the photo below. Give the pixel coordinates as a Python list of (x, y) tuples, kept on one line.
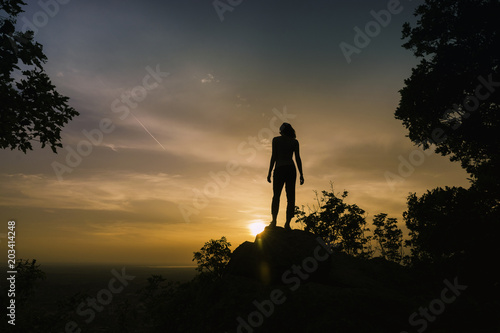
[(213, 257), (451, 224), (338, 223), (215, 305), (155, 298), (28, 273), (452, 98), (389, 237), (28, 318), (31, 109)]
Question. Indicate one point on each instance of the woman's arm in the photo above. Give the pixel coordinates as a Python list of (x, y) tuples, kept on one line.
[(299, 163), (271, 164)]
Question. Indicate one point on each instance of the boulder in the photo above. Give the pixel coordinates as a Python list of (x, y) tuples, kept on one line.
[(279, 256)]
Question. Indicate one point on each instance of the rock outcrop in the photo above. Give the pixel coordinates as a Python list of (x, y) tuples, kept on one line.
[(290, 281), (279, 256)]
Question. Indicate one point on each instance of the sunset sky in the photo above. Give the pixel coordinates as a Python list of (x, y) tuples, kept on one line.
[(181, 102)]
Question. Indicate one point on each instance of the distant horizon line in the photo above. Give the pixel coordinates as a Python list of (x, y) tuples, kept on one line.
[(159, 265)]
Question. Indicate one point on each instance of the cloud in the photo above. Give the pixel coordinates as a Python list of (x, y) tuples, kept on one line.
[(209, 79), (127, 189), (106, 191), (242, 102)]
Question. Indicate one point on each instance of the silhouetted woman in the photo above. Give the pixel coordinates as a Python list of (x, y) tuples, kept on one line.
[(284, 147)]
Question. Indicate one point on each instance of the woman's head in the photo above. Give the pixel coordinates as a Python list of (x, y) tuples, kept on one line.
[(287, 130)]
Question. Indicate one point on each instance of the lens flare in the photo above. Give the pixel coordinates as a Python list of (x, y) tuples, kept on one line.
[(256, 228)]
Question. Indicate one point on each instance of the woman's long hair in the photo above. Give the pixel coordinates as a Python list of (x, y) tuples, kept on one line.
[(287, 130)]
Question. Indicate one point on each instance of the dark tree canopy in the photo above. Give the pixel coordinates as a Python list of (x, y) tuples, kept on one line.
[(452, 224), (213, 257), (452, 98), (340, 224), (389, 237), (31, 108)]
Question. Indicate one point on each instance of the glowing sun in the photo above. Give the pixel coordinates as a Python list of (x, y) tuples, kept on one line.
[(256, 228)]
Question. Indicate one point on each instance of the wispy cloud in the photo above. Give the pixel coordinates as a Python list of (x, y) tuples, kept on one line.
[(112, 190), (209, 79)]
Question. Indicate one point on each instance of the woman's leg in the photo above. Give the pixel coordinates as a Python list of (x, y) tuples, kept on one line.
[(278, 182), (290, 195)]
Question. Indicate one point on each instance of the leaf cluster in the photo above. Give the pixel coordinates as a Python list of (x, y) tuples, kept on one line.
[(446, 103), (31, 109), (389, 237), (213, 257), (340, 224)]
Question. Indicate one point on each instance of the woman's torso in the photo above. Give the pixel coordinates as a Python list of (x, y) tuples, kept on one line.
[(284, 147)]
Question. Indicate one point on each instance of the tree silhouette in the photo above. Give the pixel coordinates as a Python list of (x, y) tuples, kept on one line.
[(28, 273), (452, 98), (452, 224), (31, 108), (452, 102), (338, 223), (389, 237), (213, 257)]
